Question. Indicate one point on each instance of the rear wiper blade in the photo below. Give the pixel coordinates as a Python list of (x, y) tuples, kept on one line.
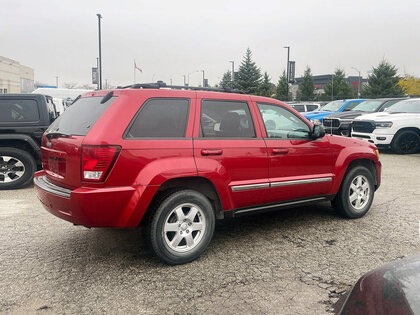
[(55, 134)]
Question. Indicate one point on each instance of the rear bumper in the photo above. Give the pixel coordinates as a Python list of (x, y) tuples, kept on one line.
[(91, 207)]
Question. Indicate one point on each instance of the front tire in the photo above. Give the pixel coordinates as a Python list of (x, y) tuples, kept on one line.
[(17, 168), (181, 227), (356, 193), (406, 142)]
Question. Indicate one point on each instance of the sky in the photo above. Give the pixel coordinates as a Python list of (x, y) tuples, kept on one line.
[(169, 39)]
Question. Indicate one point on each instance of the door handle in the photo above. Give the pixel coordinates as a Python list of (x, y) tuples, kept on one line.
[(211, 152), (280, 151)]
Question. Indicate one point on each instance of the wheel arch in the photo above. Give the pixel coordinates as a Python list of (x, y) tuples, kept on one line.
[(21, 142), (200, 184)]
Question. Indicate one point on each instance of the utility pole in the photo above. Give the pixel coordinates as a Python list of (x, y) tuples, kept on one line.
[(233, 70), (332, 87), (185, 81), (100, 52), (287, 70), (56, 81), (97, 72)]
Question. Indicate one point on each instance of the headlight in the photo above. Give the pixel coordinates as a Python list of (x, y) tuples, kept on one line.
[(316, 121), (385, 124)]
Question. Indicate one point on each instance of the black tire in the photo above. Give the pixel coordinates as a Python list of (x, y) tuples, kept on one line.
[(406, 142), (15, 179), (161, 240), (344, 202)]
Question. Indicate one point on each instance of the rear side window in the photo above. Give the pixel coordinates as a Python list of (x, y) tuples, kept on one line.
[(311, 107), (78, 119), (299, 108), (226, 119), (160, 118), (19, 111)]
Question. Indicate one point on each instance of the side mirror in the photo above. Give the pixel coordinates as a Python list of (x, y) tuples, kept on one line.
[(317, 132)]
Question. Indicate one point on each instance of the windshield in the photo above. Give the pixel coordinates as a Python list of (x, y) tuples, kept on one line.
[(407, 106), (368, 106), (332, 106)]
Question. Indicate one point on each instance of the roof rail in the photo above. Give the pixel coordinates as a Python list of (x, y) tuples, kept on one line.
[(160, 84)]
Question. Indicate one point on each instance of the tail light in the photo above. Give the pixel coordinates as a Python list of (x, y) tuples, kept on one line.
[(97, 161)]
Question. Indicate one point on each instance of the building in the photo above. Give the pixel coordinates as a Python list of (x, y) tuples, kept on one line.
[(321, 80), (14, 77)]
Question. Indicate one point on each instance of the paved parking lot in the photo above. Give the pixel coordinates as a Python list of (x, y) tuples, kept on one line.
[(295, 261)]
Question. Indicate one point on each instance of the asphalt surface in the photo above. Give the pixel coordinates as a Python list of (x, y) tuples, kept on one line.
[(296, 261)]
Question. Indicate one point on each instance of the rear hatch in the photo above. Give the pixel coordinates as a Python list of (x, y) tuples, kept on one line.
[(62, 142)]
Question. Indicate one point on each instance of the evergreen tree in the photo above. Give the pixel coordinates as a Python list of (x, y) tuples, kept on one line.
[(249, 75), (226, 82), (307, 87), (338, 87), (383, 82), (281, 90), (266, 87)]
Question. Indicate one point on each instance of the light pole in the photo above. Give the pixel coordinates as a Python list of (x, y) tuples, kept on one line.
[(287, 71), (56, 81), (189, 76), (100, 52), (185, 82), (203, 78), (332, 87), (153, 77), (358, 86), (233, 70)]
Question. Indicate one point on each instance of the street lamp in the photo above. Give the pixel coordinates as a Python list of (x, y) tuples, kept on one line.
[(233, 70), (100, 52), (358, 86), (189, 75), (287, 71)]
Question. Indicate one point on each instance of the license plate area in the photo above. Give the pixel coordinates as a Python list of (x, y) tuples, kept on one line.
[(57, 165)]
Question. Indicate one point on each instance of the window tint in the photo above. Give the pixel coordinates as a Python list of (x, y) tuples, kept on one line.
[(311, 107), (299, 108), (281, 123), (18, 111), (79, 119), (160, 118), (226, 119)]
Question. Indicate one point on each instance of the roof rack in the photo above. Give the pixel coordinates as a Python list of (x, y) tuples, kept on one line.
[(160, 84)]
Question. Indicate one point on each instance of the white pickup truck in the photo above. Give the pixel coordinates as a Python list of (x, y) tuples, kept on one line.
[(398, 127)]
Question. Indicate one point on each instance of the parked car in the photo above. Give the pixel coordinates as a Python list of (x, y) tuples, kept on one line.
[(397, 128), (340, 123), (176, 160), (23, 119), (305, 107), (391, 289), (331, 108)]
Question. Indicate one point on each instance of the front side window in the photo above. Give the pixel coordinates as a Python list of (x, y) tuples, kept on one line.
[(351, 105), (282, 124), (299, 108), (311, 107), (160, 118), (19, 111), (226, 119)]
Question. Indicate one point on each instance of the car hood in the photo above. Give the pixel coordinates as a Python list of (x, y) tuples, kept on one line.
[(317, 114), (385, 116), (347, 115)]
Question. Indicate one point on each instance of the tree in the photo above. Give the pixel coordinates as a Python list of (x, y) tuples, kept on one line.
[(410, 85), (226, 81), (338, 87), (249, 75), (266, 87), (383, 82), (307, 87), (281, 90)]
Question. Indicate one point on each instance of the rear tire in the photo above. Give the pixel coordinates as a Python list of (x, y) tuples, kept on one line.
[(406, 142), (181, 227), (17, 168), (356, 193)]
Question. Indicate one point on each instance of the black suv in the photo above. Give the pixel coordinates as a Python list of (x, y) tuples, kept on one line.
[(340, 123), (23, 120)]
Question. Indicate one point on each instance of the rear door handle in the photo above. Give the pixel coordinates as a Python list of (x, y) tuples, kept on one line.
[(211, 152), (280, 151)]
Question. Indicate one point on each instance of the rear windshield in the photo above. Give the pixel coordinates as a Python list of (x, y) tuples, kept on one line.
[(78, 119)]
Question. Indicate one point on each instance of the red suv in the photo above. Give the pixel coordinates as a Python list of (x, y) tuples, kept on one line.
[(177, 160)]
